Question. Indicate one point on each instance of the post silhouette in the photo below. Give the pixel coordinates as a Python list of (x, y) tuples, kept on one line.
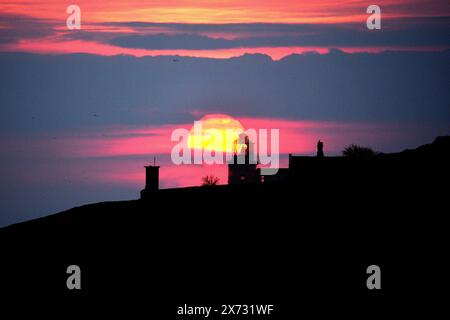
[(320, 149)]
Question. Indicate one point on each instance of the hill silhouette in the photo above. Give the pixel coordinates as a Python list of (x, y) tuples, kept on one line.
[(310, 236)]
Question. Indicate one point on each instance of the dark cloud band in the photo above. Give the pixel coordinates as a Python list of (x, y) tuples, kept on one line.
[(430, 32)]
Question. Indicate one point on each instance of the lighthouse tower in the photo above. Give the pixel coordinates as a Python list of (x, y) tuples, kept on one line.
[(246, 172)]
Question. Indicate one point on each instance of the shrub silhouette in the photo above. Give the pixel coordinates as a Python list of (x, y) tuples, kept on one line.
[(358, 152), (210, 181)]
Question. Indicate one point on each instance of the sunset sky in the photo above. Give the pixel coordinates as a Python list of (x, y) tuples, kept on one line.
[(82, 111), (221, 29)]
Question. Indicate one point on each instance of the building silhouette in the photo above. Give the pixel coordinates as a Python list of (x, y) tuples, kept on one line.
[(243, 167), (303, 166), (326, 171), (151, 181)]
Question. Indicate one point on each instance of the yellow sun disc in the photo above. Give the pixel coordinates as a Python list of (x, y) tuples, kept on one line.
[(215, 132)]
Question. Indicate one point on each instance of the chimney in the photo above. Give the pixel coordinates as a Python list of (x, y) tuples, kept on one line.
[(151, 178)]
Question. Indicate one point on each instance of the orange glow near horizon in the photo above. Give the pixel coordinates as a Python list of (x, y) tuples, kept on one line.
[(212, 11), (116, 155), (296, 136)]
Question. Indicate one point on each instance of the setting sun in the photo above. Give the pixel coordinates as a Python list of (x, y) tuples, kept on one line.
[(215, 132)]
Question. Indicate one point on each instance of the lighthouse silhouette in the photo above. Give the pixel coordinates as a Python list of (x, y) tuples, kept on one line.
[(246, 172)]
